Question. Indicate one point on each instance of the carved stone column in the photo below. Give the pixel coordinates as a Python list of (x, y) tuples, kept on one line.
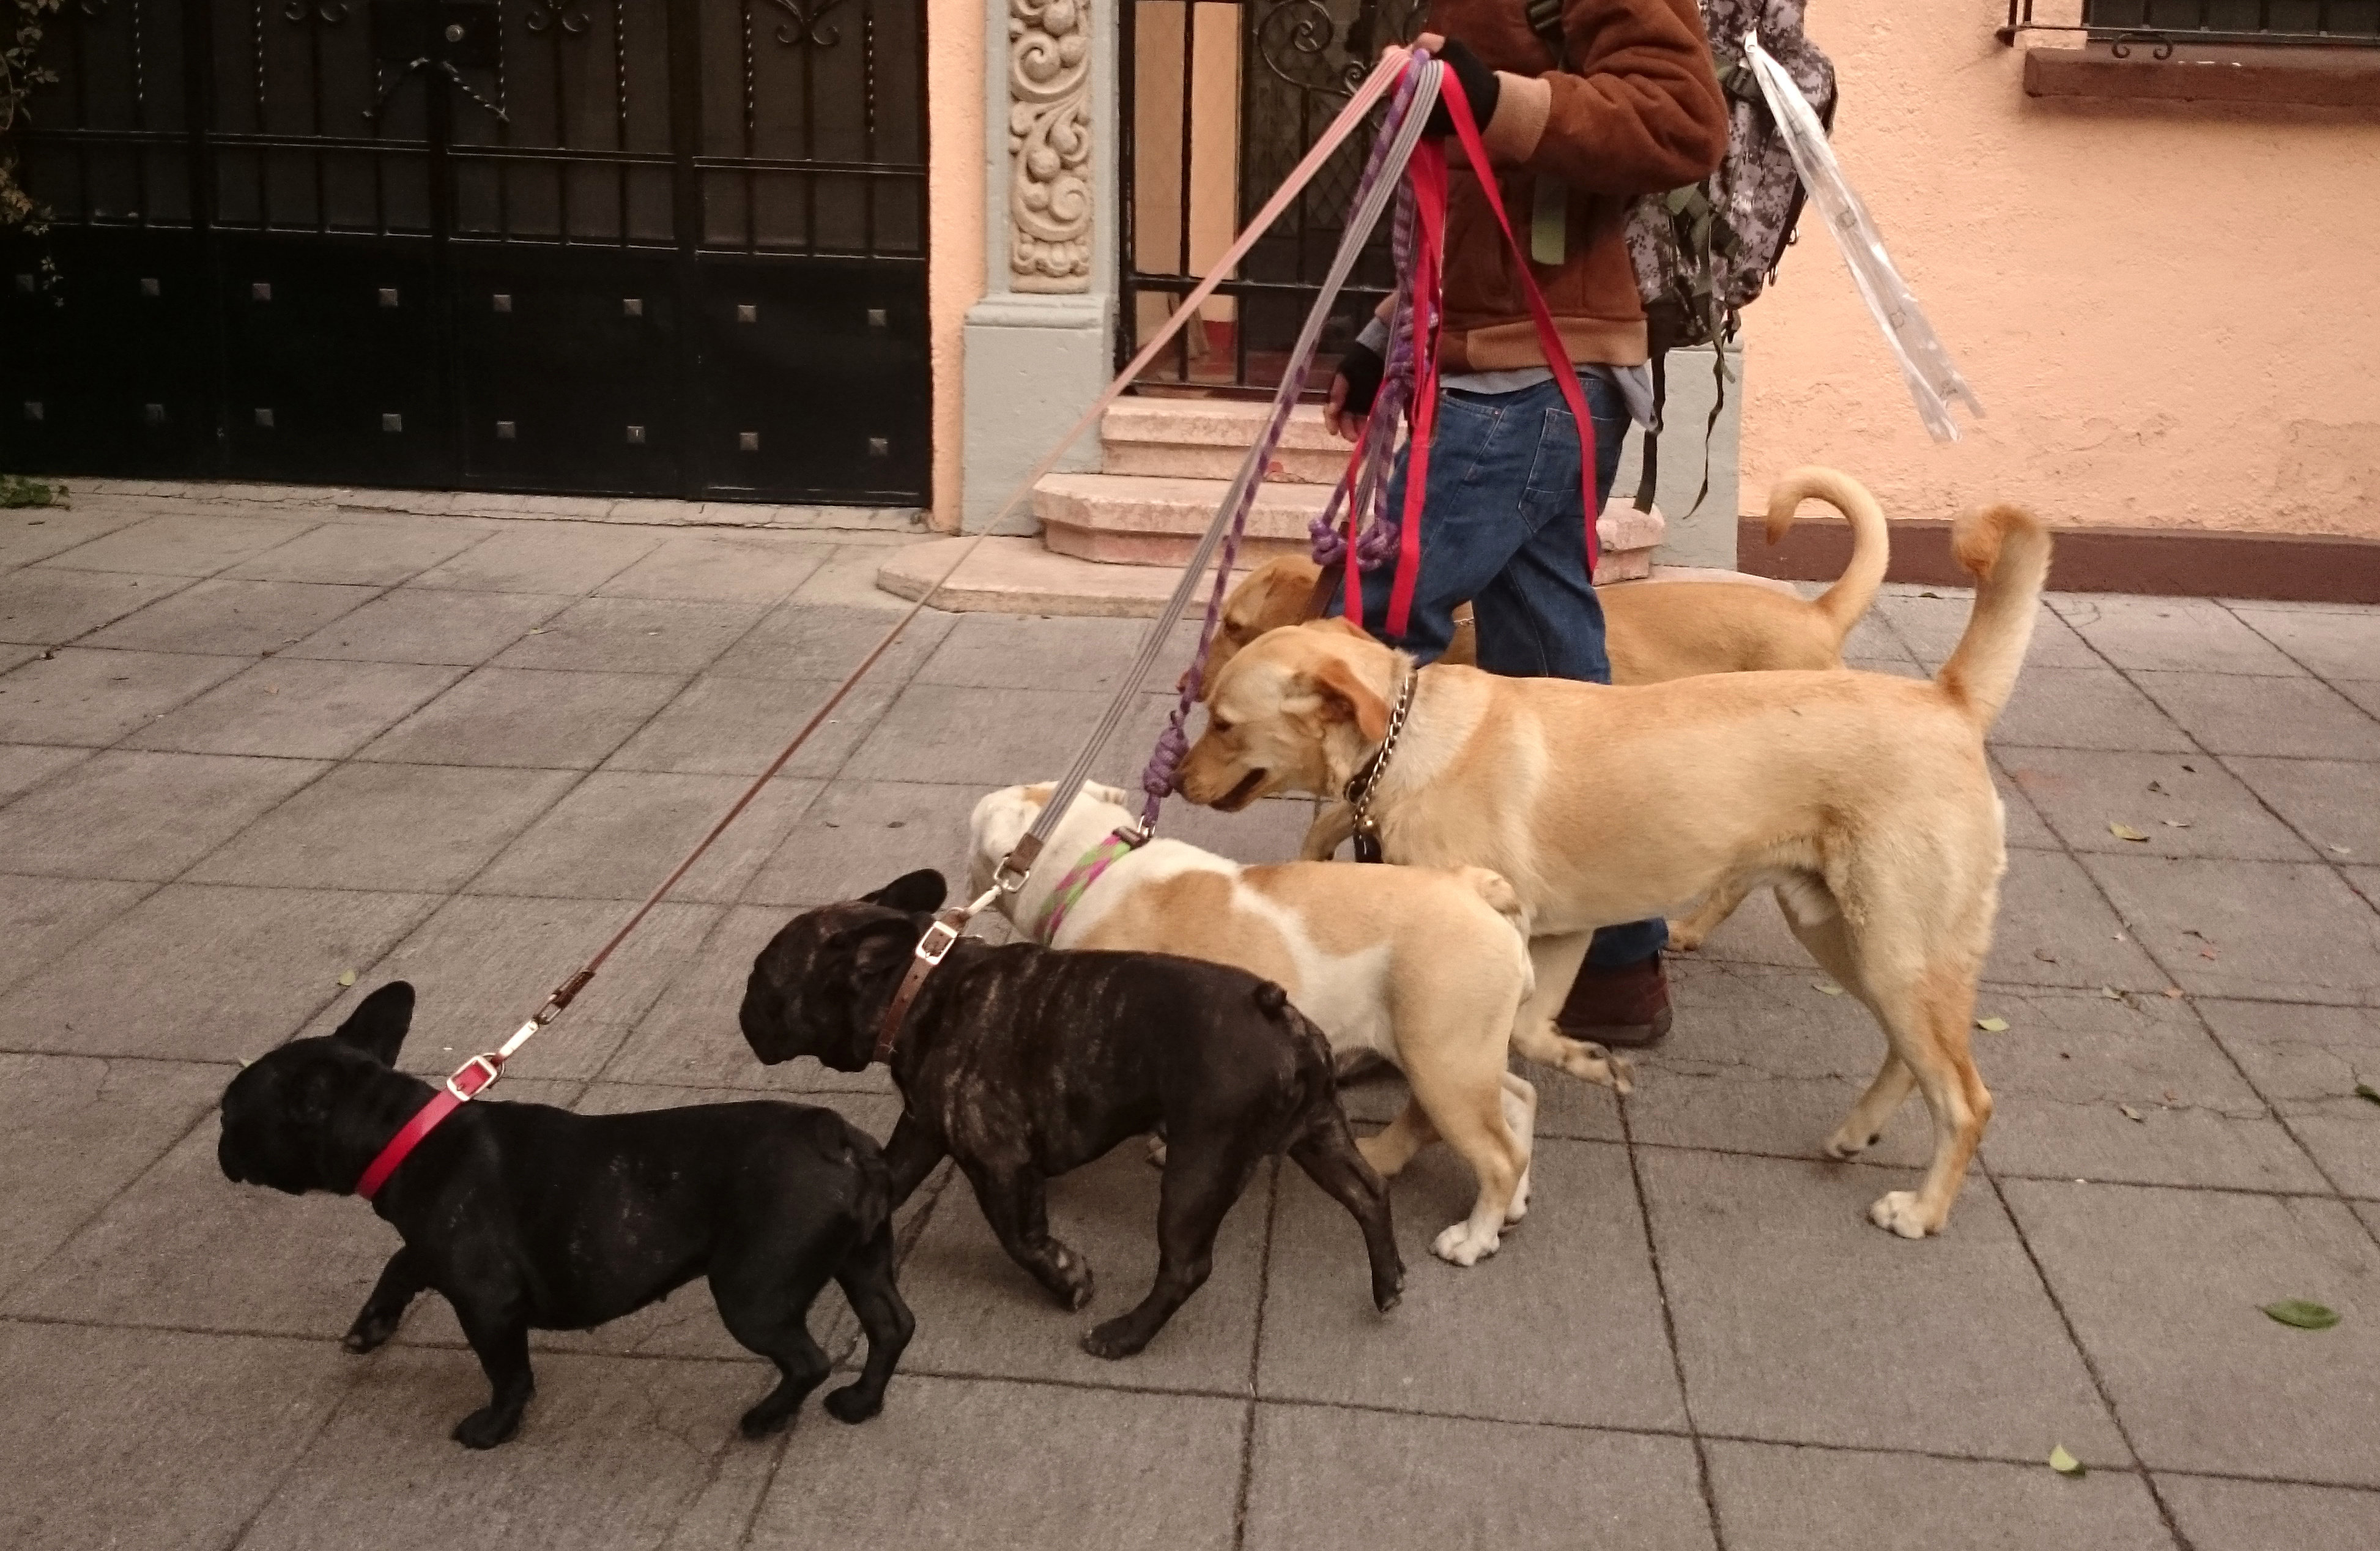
[(1040, 345)]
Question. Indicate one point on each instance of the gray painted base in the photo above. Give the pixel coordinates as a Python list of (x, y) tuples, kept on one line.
[(1703, 536), (1033, 364)]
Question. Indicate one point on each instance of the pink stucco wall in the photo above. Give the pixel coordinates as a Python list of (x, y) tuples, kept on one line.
[(954, 184), (2171, 312)]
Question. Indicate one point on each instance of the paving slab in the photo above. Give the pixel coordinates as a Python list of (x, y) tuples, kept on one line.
[(2056, 928), (610, 1451), (2332, 643), (29, 535), (415, 625), (1799, 1322), (2074, 1070), (483, 963), (2295, 716), (296, 709), (48, 606), (527, 718), (719, 567), (26, 766), (691, 1037), (2191, 635), (2167, 1290), (206, 972), (155, 1439), (723, 725), (1930, 629), (2364, 692), (859, 835), (2083, 708), (1449, 1347), (85, 1129), (123, 814), (524, 558), (1773, 1497), (633, 635), (380, 551), (1020, 652), (977, 740), (1759, 1060), (425, 827), (1327, 1479), (2334, 803), (40, 918), (184, 1247), (2280, 930), (2306, 1061), (2256, 1515), (234, 618), (970, 1464), (805, 639), (2186, 805), (94, 698), (619, 833), (184, 544), (2023, 825)]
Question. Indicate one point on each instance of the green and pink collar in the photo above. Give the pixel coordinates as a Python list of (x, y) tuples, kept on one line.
[(1119, 844)]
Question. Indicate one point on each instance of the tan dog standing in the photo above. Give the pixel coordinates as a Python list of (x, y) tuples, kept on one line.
[(1426, 967), (1863, 798)]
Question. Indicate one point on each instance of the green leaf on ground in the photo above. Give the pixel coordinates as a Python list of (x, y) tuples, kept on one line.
[(2125, 831), (1992, 1025), (2111, 994), (2365, 1090), (2304, 1315), (2131, 1113), (1826, 987), (2063, 1463), (346, 977)]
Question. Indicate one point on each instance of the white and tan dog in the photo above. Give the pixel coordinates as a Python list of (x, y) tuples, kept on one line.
[(1863, 798), (1426, 966)]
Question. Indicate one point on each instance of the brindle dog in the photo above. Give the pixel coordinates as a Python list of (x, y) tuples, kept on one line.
[(1023, 1063)]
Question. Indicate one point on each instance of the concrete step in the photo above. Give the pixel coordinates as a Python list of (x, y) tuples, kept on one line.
[(1017, 576), (1145, 519), (1205, 438)]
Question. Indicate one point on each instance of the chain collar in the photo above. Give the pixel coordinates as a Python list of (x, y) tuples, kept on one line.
[(1367, 779)]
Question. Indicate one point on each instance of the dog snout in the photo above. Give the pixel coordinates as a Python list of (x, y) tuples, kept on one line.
[(755, 1018)]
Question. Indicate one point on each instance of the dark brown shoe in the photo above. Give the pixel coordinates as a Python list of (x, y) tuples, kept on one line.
[(1627, 1008)]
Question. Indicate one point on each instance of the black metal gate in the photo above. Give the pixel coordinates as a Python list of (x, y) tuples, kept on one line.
[(660, 247), (1296, 64)]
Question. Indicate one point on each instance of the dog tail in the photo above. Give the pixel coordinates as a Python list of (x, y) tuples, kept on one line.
[(2007, 551), (1847, 600), (1502, 897)]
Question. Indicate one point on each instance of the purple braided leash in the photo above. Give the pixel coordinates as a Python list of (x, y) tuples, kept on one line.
[(1164, 762)]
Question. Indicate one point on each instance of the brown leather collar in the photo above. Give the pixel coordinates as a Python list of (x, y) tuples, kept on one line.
[(932, 948)]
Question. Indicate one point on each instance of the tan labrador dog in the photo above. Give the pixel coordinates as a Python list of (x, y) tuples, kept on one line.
[(1862, 798), (1654, 631), (1427, 968)]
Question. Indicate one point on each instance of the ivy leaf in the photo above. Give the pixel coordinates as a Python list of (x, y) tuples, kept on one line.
[(2063, 1463), (2301, 1314), (2125, 831), (1826, 988), (1992, 1025)]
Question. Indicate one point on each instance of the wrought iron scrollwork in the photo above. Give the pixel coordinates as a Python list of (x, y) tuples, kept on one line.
[(330, 13), (2121, 45), (544, 15), (808, 25), (1294, 42)]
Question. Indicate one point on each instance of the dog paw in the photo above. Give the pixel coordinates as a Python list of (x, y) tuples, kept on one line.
[(1075, 1284), (1156, 1152), (1519, 1205), (1898, 1212), (486, 1427), (1116, 1339), (1683, 939), (1462, 1247), (854, 1404), (368, 1333), (1599, 1064), (1850, 1143)]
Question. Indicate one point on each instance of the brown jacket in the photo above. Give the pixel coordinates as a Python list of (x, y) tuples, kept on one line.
[(1635, 109)]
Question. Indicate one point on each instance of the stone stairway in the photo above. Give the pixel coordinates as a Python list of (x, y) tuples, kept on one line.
[(1113, 542)]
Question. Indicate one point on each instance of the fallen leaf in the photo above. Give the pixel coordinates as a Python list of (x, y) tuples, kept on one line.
[(2173, 1097), (2365, 1090), (2175, 824), (1929, 594), (2207, 953), (2174, 991), (2131, 1113), (2063, 1463), (2158, 788), (2111, 994), (346, 977), (2304, 1315), (536, 629), (2191, 768), (1826, 988), (1992, 1025), (2125, 831), (2045, 956), (2342, 850)]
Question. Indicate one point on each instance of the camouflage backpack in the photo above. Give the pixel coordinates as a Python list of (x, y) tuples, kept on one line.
[(1702, 252)]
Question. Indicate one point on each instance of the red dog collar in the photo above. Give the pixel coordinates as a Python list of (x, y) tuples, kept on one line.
[(472, 1079)]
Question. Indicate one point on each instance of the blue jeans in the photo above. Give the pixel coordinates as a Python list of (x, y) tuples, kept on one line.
[(1502, 527)]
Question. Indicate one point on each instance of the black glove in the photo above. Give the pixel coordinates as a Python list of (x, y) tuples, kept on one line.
[(1363, 368), (1479, 89)]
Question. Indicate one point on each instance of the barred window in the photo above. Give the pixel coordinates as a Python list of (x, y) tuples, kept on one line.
[(2277, 21)]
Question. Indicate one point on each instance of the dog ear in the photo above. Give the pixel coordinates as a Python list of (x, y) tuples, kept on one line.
[(1346, 697), (915, 893), (378, 1025)]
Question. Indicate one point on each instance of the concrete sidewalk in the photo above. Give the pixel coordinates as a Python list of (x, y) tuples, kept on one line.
[(242, 753)]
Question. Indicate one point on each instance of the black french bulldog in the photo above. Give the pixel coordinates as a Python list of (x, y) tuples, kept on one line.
[(1024, 1062), (531, 1217)]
